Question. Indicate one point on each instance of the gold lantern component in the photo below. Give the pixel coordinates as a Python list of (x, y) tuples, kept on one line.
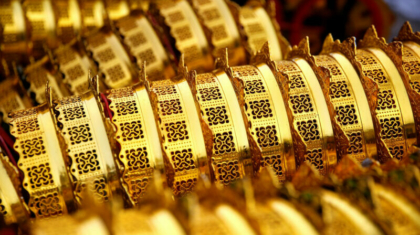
[(93, 15), (221, 112), (69, 19), (41, 161), (81, 124), (12, 207), (186, 141), (257, 21), (351, 111), (221, 30), (40, 15), (266, 118), (38, 73), (14, 45), (117, 9), (13, 96), (182, 26), (75, 64), (410, 63), (134, 129), (114, 62), (396, 133), (312, 126), (144, 45)]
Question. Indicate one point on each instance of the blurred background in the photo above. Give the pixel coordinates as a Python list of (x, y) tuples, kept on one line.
[(343, 18)]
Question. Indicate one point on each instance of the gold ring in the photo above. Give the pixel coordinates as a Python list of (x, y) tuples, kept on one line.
[(216, 98), (69, 20), (351, 111), (139, 151), (266, 118), (92, 15), (410, 65), (144, 44), (81, 124), (310, 115), (75, 64), (183, 28), (396, 132), (222, 32), (112, 58), (182, 132), (117, 9), (42, 162)]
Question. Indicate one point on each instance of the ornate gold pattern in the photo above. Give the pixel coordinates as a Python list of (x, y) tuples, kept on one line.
[(113, 60), (136, 155), (68, 20), (184, 28), (88, 164), (42, 179)]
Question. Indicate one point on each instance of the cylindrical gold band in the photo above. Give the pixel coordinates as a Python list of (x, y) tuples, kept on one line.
[(231, 159), (90, 160), (41, 161), (139, 147), (69, 19), (92, 15)]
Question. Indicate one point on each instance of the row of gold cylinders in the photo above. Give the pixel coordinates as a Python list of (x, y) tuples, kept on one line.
[(227, 124)]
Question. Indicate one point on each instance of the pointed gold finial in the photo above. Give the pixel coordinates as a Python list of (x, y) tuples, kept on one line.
[(182, 68), (406, 34), (301, 50), (263, 55), (222, 62), (48, 94)]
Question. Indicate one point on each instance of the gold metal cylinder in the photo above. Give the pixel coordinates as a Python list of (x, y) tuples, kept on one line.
[(69, 19)]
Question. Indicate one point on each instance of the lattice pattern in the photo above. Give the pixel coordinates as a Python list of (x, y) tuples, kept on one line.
[(215, 109), (87, 163), (388, 110), (264, 124), (305, 116)]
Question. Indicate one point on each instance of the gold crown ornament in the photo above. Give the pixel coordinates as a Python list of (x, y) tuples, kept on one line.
[(41, 161), (186, 141), (257, 23), (12, 206), (221, 29), (410, 62), (69, 19), (136, 138), (40, 72), (313, 129), (347, 97), (14, 45), (90, 162), (381, 63), (144, 44), (266, 118), (112, 58), (180, 24), (43, 27), (74, 63)]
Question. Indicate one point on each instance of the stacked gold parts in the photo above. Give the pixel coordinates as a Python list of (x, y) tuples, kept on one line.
[(220, 27), (266, 119), (144, 45), (93, 15), (351, 111), (41, 161), (90, 161), (69, 19), (312, 128), (185, 32), (135, 131), (183, 134), (396, 132)]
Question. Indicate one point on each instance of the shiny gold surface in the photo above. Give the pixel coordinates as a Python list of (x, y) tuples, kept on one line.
[(69, 19), (231, 159), (185, 30), (393, 109), (13, 97), (93, 15), (144, 44), (217, 19), (42, 162), (89, 157), (182, 132), (138, 139)]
